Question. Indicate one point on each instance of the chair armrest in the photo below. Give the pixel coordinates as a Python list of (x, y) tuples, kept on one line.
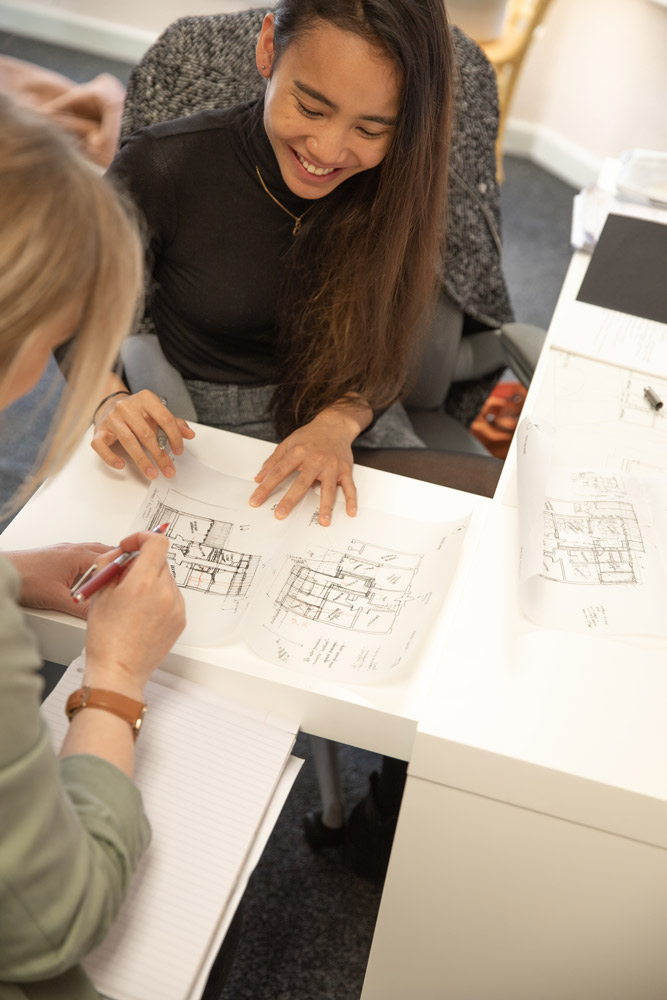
[(145, 367), (523, 345), (514, 345)]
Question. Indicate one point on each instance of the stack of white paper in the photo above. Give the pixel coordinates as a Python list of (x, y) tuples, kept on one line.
[(207, 773), (590, 544)]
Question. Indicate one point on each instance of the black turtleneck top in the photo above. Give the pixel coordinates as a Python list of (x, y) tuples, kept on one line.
[(217, 240)]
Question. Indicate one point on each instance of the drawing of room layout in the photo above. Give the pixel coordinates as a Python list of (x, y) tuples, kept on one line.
[(363, 589), (591, 542), (198, 555)]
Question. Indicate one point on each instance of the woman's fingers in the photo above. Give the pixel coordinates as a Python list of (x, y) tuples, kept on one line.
[(271, 461), (96, 547), (134, 623), (107, 454), (294, 495), (273, 477), (324, 469), (138, 538), (346, 483), (328, 487), (132, 438), (175, 428), (134, 422), (185, 429)]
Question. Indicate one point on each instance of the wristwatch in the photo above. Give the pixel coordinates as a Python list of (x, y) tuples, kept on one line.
[(110, 701)]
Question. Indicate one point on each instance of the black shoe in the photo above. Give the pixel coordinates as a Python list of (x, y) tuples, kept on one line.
[(318, 835), (368, 837)]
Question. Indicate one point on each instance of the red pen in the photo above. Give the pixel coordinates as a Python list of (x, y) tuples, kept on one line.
[(110, 572)]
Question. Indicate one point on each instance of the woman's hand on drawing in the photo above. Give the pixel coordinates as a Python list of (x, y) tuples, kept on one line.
[(134, 621), (320, 451), (133, 421), (47, 574)]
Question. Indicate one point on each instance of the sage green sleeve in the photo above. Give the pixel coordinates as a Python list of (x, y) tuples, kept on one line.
[(72, 830)]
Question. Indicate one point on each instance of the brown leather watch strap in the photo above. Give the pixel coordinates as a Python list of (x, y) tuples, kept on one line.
[(125, 708)]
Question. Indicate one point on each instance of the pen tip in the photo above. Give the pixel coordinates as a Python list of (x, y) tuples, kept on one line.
[(163, 527)]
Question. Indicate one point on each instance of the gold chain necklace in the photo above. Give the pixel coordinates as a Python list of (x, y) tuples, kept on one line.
[(297, 218)]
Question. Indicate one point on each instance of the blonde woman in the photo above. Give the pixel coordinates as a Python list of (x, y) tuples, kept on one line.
[(72, 829)]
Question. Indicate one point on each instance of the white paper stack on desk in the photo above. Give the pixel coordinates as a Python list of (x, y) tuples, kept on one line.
[(635, 185), (592, 472), (620, 313), (591, 543)]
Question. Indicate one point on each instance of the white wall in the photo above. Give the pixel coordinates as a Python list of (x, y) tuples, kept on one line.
[(147, 15), (121, 29), (594, 83)]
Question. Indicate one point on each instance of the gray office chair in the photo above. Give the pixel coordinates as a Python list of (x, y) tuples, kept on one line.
[(208, 62)]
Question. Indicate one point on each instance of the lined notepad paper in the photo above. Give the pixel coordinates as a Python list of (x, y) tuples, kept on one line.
[(206, 773)]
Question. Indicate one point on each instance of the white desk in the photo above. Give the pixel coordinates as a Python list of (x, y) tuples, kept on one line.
[(530, 860), (88, 501), (506, 491)]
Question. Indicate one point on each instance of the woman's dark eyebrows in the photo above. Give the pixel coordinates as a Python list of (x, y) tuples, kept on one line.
[(316, 96)]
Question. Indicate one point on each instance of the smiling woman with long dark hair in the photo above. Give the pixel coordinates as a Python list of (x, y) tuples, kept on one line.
[(295, 240), (364, 271)]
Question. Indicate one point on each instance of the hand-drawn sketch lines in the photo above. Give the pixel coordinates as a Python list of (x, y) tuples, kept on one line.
[(591, 542), (198, 555), (633, 408), (363, 589)]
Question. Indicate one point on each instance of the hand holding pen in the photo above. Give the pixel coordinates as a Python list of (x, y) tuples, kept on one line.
[(162, 439), (133, 623), (91, 582), (47, 574), (146, 430)]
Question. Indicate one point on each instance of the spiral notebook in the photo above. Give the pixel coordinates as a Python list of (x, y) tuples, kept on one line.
[(207, 773)]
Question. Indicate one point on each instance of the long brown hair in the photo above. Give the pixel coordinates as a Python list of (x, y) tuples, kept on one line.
[(363, 269), (64, 233)]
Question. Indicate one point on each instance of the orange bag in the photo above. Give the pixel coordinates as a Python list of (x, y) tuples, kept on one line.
[(496, 422)]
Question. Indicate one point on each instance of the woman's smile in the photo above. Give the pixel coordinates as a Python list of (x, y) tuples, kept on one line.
[(315, 171)]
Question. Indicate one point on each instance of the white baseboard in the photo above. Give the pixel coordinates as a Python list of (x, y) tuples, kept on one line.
[(558, 155), (75, 31)]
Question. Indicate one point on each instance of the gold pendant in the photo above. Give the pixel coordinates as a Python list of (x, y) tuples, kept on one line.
[(297, 227)]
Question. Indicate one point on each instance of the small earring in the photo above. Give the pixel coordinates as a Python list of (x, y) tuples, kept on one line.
[(263, 67)]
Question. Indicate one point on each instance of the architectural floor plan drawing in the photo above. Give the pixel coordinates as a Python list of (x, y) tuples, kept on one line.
[(601, 410), (198, 554), (338, 601), (599, 529), (363, 589), (341, 602), (591, 542), (585, 395)]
